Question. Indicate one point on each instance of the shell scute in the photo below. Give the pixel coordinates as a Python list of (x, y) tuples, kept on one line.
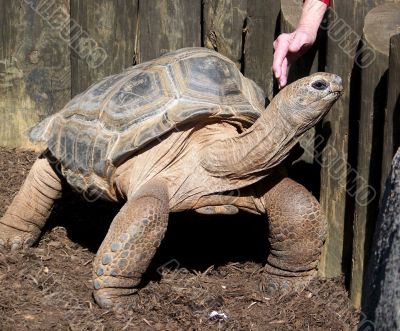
[(67, 140), (143, 96), (209, 79), (99, 155), (83, 149)]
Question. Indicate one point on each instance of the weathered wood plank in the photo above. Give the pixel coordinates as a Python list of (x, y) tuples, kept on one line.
[(373, 100), (391, 131), (344, 21), (261, 29), (223, 24), (34, 65), (304, 66), (167, 25), (103, 36)]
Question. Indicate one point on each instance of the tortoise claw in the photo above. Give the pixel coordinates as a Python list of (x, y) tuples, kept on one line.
[(14, 240), (16, 244)]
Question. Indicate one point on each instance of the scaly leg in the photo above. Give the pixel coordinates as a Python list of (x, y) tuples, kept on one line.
[(130, 244), (297, 230), (24, 219)]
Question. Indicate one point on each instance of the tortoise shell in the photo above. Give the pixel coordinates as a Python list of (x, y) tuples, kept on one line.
[(103, 126)]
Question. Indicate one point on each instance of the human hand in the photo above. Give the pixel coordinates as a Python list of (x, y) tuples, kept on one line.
[(288, 48)]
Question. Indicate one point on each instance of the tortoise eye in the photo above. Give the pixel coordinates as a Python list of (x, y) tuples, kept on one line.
[(320, 85)]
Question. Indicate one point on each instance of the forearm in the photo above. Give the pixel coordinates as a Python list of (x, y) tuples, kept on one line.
[(311, 16)]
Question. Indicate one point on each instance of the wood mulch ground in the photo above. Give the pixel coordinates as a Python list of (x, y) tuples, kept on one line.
[(205, 275)]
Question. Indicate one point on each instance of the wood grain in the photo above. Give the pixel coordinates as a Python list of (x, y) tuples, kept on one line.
[(34, 66), (103, 34), (344, 24), (166, 26), (373, 99), (223, 24), (304, 66), (261, 29)]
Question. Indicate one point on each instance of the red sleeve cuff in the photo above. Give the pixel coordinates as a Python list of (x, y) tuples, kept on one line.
[(326, 2)]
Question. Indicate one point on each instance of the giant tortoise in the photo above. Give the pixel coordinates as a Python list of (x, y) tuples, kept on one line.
[(176, 133)]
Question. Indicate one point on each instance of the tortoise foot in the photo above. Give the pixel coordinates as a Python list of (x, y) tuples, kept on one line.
[(274, 285), (14, 239), (115, 298)]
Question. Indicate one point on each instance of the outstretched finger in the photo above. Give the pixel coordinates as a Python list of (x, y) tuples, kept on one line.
[(281, 50), (283, 77)]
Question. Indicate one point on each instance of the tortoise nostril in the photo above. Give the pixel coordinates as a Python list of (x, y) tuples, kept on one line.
[(337, 84), (338, 80)]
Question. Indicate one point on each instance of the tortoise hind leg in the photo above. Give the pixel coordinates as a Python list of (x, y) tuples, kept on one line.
[(25, 217), (297, 230), (130, 244)]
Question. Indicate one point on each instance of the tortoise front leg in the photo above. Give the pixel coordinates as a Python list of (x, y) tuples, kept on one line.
[(24, 219), (130, 244), (297, 230)]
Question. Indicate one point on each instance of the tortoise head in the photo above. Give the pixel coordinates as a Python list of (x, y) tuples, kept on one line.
[(303, 103)]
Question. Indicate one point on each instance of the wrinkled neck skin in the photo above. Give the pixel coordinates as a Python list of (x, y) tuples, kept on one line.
[(252, 154)]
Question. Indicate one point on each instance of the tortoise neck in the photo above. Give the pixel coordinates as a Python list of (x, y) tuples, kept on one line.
[(251, 154)]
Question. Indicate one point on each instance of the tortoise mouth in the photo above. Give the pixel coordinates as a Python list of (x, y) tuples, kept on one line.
[(335, 92), (336, 89)]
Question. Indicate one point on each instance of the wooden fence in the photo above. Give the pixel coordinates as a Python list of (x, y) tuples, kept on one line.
[(51, 50)]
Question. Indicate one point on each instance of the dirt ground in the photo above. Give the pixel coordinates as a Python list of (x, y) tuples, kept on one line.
[(205, 276)]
